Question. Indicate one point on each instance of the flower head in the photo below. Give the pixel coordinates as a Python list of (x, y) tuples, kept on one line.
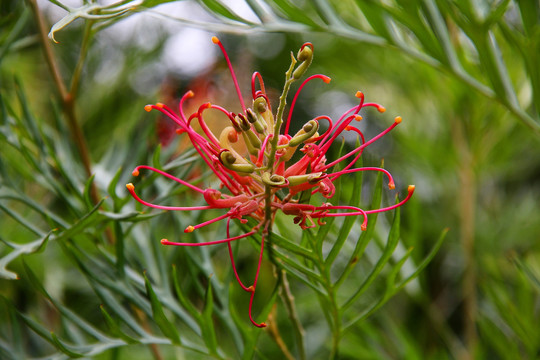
[(251, 159)]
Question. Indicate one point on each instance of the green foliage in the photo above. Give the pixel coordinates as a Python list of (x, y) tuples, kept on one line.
[(82, 273)]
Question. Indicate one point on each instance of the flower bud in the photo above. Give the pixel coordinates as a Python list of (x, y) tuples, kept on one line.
[(274, 180), (308, 130), (228, 160), (305, 56)]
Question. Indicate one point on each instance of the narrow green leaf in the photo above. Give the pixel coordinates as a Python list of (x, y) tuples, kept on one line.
[(118, 308), (497, 13), (426, 260), (115, 328), (60, 346), (219, 9), (156, 162), (365, 236), (530, 13), (295, 13), (207, 323), (30, 248), (111, 189), (36, 283), (349, 220), (14, 34), (182, 298), (168, 329), (374, 14), (87, 192), (37, 328), (119, 248), (388, 293), (22, 220), (393, 239)]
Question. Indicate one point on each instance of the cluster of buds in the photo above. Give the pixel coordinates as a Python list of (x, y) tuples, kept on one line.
[(251, 159)]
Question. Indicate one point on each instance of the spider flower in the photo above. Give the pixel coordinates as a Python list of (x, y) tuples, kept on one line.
[(251, 160)]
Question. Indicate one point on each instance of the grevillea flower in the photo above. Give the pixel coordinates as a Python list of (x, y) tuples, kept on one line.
[(261, 179)]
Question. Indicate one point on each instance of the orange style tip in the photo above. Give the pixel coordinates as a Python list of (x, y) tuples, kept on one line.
[(263, 325), (251, 288), (358, 118), (164, 241), (381, 109), (391, 186), (363, 227), (148, 108), (359, 94), (411, 188), (189, 229), (398, 119), (180, 131), (215, 40), (326, 79), (190, 93), (349, 128), (130, 187), (135, 173)]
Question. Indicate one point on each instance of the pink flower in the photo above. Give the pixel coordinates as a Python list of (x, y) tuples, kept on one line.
[(261, 179)]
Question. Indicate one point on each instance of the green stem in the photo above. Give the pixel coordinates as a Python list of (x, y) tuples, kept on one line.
[(75, 80), (279, 115)]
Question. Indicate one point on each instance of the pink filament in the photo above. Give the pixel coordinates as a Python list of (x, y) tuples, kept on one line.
[(232, 73), (324, 78), (167, 242)]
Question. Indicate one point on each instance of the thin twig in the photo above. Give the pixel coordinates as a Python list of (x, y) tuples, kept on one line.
[(68, 102), (288, 299), (467, 202), (273, 331)]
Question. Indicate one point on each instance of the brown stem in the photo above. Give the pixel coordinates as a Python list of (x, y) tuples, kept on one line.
[(273, 331), (154, 348), (68, 103), (467, 209), (288, 299)]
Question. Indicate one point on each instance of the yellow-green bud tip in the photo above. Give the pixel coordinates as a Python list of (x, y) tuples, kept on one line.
[(215, 40), (398, 119), (189, 229)]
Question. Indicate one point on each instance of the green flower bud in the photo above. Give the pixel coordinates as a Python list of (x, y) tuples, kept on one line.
[(308, 130), (305, 56), (230, 162), (273, 180)]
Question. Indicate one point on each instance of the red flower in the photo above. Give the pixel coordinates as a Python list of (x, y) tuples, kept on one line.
[(253, 179)]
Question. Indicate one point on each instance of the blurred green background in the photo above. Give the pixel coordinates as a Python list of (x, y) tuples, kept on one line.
[(464, 76)]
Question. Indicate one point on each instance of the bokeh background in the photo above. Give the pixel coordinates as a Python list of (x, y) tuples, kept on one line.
[(463, 75)]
